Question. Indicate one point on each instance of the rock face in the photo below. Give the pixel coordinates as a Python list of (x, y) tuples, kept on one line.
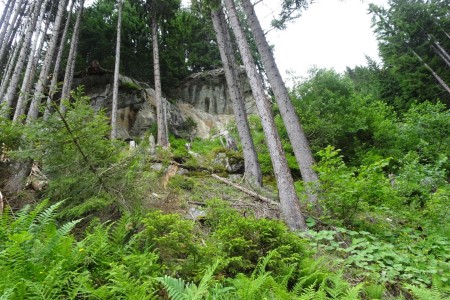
[(207, 91), (202, 104)]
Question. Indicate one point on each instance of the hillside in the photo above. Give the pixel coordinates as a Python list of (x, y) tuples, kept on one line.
[(151, 151)]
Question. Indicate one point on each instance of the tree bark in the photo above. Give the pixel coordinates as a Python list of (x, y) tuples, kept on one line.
[(70, 68), (297, 136), (289, 202), (4, 20), (252, 167), (435, 75), (442, 53), (11, 39), (163, 138), (33, 112), (7, 28), (10, 68), (32, 59), (21, 170), (116, 74), (54, 82), (12, 87)]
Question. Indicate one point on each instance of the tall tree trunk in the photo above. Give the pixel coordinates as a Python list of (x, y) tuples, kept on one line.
[(33, 112), (442, 53), (435, 75), (10, 68), (116, 74), (252, 167), (54, 82), (70, 68), (11, 40), (4, 20), (297, 136), (35, 51), (22, 168), (163, 138), (7, 29), (289, 202), (12, 87)]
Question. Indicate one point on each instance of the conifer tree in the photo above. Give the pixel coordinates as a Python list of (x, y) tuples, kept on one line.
[(116, 73), (34, 54), (71, 59), (290, 118), (10, 18), (289, 202), (11, 92), (56, 68), (33, 112), (252, 167)]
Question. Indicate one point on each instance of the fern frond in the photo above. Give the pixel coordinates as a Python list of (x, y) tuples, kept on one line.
[(285, 279), (176, 288), (310, 293), (120, 230), (353, 292), (67, 228), (262, 264), (422, 293), (45, 217), (25, 217), (7, 293), (40, 291), (202, 289)]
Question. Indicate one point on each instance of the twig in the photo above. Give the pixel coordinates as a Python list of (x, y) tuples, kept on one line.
[(247, 191), (197, 203)]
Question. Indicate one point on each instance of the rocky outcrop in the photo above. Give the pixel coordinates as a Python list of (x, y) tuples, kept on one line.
[(207, 91), (195, 112)]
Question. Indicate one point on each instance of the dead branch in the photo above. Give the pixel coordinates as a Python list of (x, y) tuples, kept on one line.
[(247, 191), (1, 203)]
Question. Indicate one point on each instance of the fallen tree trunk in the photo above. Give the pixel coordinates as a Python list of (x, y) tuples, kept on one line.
[(247, 191)]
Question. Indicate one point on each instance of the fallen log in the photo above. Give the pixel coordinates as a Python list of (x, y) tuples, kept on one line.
[(247, 191)]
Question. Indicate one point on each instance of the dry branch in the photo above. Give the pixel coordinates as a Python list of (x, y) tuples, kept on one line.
[(247, 191)]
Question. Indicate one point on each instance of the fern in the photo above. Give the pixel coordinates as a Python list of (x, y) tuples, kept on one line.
[(41, 291), (25, 217), (262, 264), (310, 293), (195, 292), (67, 228), (421, 293), (125, 286), (176, 287), (7, 293), (46, 217), (353, 292)]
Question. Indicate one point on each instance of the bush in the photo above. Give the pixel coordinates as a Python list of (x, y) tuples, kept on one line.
[(346, 191), (244, 240)]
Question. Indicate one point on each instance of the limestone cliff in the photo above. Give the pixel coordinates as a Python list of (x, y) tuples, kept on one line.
[(202, 99)]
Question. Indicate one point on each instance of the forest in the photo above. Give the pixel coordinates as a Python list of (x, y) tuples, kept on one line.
[(334, 188)]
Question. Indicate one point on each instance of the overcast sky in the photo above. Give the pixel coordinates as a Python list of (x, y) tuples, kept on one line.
[(330, 34)]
